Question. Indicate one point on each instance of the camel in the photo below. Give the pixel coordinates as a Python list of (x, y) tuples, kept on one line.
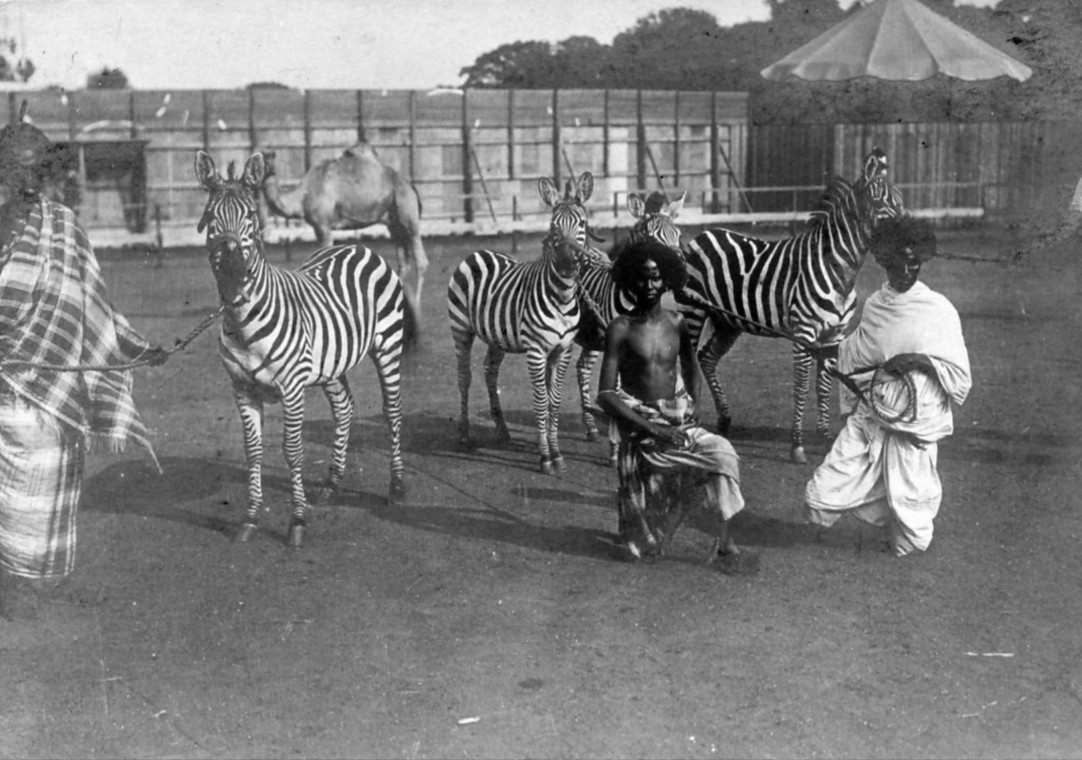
[(351, 192)]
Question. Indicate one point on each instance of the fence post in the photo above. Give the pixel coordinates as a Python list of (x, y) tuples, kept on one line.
[(640, 140), (605, 136), (132, 132), (360, 117), (206, 121), (307, 130), (252, 141), (73, 114), (467, 157), (514, 218), (557, 146), (676, 142), (511, 134), (715, 167), (412, 134)]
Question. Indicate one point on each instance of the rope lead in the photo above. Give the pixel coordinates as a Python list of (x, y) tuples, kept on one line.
[(180, 345)]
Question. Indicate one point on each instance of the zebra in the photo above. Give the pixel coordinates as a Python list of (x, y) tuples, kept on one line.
[(530, 308), (603, 302), (801, 287), (284, 331)]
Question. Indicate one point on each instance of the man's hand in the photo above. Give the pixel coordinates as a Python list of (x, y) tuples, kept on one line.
[(667, 435), (902, 364), (155, 356)]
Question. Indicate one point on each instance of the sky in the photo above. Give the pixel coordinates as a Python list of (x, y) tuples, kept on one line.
[(310, 44)]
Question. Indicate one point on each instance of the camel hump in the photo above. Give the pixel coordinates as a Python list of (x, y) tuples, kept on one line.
[(361, 150)]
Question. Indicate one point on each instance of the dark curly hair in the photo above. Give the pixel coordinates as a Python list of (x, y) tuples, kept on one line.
[(628, 258), (892, 235)]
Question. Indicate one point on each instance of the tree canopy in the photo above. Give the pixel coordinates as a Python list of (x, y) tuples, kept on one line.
[(686, 49)]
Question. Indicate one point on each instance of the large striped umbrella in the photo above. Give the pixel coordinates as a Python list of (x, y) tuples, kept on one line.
[(897, 40)]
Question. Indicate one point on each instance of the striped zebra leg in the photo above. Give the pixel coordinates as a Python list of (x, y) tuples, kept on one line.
[(251, 421), (538, 365), (802, 362), (824, 382), (463, 350), (341, 401), (584, 369), (709, 356), (388, 361), (556, 370), (493, 359), (293, 448)]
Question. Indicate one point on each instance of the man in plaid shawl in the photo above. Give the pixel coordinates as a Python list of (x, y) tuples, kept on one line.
[(54, 311)]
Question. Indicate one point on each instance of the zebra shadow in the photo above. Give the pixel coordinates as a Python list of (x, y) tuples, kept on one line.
[(179, 493), (205, 493), (772, 443), (436, 435), (490, 523)]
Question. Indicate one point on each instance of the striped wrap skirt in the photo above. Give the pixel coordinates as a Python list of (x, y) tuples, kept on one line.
[(41, 475)]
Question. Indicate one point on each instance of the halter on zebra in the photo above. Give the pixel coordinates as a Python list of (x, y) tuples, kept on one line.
[(284, 331), (655, 215), (530, 308), (801, 286)]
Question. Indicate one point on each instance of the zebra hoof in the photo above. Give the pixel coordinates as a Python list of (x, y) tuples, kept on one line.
[(546, 467), (397, 494), (244, 533), (724, 423), (559, 464), (593, 436), (296, 534), (797, 455)]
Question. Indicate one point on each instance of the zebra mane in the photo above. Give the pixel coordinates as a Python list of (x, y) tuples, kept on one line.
[(834, 200)]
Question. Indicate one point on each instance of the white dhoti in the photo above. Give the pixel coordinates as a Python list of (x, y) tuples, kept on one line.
[(883, 478), (882, 466)]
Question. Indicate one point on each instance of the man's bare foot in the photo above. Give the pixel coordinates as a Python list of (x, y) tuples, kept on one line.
[(732, 560)]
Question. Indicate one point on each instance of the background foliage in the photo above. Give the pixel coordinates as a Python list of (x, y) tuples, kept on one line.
[(686, 49)]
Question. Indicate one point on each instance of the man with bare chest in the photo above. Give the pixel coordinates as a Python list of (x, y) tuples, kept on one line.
[(649, 385)]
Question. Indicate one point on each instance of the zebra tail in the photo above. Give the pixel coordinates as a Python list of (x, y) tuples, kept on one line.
[(410, 327)]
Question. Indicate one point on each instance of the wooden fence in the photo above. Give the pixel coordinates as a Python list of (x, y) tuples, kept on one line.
[(475, 155)]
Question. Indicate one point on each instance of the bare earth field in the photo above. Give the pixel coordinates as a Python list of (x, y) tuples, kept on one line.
[(494, 593)]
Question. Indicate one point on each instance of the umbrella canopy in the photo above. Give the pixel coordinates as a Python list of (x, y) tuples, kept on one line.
[(897, 40)]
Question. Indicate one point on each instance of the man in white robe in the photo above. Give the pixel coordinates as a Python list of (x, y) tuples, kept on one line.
[(909, 360)]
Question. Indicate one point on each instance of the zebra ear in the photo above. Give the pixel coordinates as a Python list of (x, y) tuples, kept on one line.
[(673, 209), (549, 194), (584, 187), (875, 165), (205, 171), (254, 170), (636, 205)]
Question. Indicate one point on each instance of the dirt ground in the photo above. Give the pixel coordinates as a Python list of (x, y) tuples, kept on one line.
[(488, 617)]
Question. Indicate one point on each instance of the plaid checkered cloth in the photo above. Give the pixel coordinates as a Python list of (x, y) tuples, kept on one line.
[(54, 310)]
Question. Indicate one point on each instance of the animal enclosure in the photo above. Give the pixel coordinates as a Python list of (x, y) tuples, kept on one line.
[(475, 155)]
